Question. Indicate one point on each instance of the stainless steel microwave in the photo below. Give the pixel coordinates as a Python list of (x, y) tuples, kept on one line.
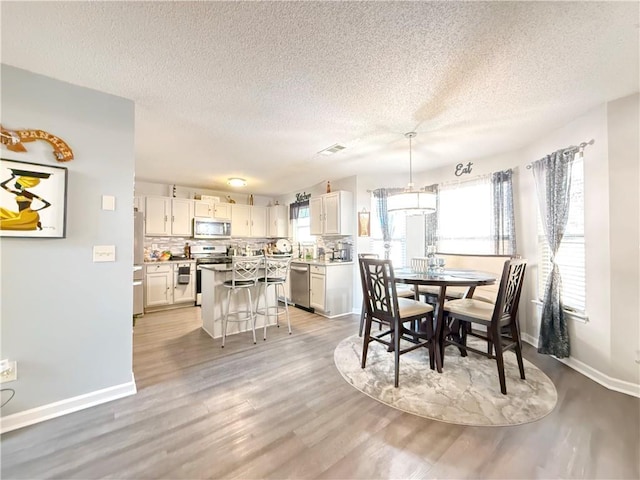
[(204, 227)]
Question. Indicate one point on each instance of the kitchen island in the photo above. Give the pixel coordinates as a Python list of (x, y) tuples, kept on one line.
[(214, 298)]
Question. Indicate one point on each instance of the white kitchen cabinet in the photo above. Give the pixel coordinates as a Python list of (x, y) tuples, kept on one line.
[(157, 216), (248, 221), (158, 285), (207, 208), (278, 216), (332, 214), (162, 287), (316, 215), (317, 291), (203, 208), (181, 217), (258, 221), (168, 216), (331, 289), (222, 210)]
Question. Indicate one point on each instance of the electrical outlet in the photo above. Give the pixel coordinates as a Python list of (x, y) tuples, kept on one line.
[(9, 371)]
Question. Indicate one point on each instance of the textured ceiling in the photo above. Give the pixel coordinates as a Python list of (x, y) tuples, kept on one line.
[(256, 89)]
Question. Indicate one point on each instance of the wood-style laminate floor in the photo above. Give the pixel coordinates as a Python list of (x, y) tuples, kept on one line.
[(280, 409)]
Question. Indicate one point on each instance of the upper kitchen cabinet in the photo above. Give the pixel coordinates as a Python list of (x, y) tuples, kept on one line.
[(222, 210), (206, 208), (278, 221), (248, 221), (168, 216), (332, 214)]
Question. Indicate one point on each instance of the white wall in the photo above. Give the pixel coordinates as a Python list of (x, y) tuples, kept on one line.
[(623, 125), (66, 320)]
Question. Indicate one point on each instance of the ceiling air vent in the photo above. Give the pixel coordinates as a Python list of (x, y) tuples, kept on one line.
[(332, 149)]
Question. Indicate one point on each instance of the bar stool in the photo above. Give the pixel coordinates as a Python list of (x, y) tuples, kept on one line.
[(244, 275), (276, 271)]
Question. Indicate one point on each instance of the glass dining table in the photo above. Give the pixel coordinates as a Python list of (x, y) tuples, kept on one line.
[(443, 279)]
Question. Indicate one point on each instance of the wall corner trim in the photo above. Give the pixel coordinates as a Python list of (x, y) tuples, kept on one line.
[(597, 376), (69, 405)]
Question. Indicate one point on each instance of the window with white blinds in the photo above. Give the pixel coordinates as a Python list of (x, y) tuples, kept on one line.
[(397, 227), (302, 227), (465, 213), (571, 255)]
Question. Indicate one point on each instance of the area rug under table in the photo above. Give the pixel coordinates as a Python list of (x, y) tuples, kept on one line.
[(467, 392)]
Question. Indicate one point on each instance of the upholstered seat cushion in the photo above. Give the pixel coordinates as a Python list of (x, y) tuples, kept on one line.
[(405, 292), (238, 283), (272, 280), (411, 308), (470, 307), (456, 292)]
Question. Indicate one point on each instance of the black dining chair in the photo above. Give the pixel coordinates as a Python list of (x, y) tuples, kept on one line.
[(403, 291), (398, 316), (500, 320)]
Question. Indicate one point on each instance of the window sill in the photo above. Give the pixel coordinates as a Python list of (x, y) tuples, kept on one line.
[(581, 317)]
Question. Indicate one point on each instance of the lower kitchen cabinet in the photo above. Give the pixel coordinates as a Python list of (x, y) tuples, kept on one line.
[(331, 289), (158, 285), (163, 286), (317, 290)]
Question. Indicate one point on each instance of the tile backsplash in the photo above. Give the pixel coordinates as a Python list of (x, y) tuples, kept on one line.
[(176, 245)]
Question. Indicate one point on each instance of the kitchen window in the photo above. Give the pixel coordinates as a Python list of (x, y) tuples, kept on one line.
[(302, 226)]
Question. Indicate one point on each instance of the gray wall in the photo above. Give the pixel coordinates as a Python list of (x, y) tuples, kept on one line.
[(66, 320)]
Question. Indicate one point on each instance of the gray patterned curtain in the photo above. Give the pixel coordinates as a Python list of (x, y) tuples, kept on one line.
[(504, 229), (381, 195), (295, 207), (431, 220), (552, 176)]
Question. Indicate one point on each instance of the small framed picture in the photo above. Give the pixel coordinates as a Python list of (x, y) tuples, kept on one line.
[(364, 224), (33, 200)]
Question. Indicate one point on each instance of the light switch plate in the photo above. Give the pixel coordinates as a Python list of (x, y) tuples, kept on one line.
[(104, 253), (9, 374), (108, 202)]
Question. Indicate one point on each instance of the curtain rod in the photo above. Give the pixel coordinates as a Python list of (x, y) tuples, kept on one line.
[(580, 150)]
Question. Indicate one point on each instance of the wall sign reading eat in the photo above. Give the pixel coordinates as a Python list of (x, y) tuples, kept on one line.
[(461, 169)]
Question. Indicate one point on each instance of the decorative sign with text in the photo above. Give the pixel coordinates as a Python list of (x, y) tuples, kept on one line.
[(14, 140), (302, 197), (461, 169)]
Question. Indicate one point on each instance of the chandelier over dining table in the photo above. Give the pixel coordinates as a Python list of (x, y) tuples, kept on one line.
[(412, 201)]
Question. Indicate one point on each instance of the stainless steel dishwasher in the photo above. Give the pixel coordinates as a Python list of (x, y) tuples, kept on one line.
[(299, 280)]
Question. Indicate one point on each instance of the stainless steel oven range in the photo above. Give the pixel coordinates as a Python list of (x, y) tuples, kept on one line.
[(207, 255)]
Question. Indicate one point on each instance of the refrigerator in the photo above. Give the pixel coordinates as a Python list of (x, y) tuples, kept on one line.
[(138, 263)]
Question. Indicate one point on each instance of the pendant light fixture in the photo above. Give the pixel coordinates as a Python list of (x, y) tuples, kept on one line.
[(412, 201)]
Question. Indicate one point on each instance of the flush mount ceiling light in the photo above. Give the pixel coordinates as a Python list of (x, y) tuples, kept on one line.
[(237, 182), (412, 201)]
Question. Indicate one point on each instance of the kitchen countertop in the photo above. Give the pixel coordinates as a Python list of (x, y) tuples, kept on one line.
[(320, 262), (151, 262)]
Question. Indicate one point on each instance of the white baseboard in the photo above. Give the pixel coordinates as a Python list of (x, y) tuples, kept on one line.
[(597, 376), (529, 339), (69, 405)]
